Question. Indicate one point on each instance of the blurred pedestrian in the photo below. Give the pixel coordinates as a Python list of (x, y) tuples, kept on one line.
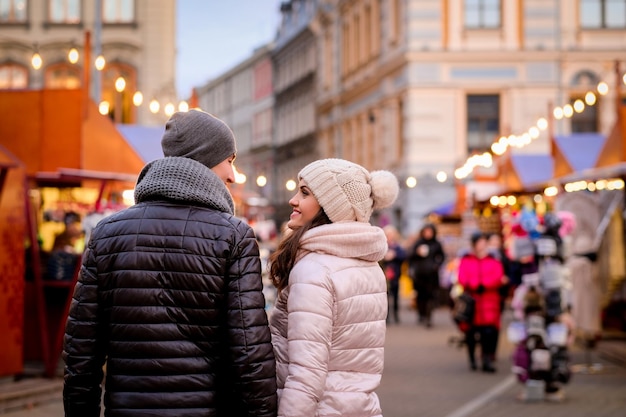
[(425, 259), (328, 326), (482, 275), (170, 294), (392, 265)]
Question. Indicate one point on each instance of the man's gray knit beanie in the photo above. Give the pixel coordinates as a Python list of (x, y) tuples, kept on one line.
[(199, 136)]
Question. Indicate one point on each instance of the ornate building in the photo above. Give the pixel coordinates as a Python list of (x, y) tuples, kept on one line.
[(295, 59), (135, 37), (418, 86), (243, 97)]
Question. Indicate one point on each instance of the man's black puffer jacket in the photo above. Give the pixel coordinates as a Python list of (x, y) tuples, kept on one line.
[(170, 295)]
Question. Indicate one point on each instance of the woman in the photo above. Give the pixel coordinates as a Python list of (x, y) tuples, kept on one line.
[(328, 325), (425, 258), (482, 275), (392, 265)]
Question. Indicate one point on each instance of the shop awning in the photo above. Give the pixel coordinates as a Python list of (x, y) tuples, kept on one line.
[(579, 150), (146, 140), (79, 175)]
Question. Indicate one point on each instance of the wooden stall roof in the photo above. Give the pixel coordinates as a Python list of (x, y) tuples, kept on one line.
[(614, 150), (50, 130)]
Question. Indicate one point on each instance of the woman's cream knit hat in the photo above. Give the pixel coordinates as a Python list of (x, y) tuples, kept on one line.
[(347, 191)]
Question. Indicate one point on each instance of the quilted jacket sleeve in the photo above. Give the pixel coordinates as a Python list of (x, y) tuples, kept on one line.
[(310, 322), (82, 351), (250, 339)]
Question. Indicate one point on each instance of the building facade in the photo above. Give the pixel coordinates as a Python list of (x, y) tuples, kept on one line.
[(135, 37), (244, 98), (418, 86), (295, 61)]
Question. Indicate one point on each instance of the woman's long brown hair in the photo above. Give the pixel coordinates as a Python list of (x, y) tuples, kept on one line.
[(284, 258)]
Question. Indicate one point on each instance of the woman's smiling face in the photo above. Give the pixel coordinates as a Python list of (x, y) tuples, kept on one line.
[(305, 207)]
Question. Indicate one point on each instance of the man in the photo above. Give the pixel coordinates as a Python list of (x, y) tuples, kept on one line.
[(170, 294)]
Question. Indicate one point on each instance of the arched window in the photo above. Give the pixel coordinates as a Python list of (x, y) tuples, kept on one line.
[(13, 76), (121, 108), (62, 75)]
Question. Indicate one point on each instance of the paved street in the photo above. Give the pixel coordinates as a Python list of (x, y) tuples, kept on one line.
[(425, 376)]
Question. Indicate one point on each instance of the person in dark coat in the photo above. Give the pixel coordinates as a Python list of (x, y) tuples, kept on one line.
[(392, 265), (425, 259), (170, 294)]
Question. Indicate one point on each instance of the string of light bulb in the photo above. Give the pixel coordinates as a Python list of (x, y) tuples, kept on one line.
[(500, 146), (154, 105)]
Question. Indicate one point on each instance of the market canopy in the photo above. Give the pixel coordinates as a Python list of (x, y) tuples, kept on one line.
[(50, 130)]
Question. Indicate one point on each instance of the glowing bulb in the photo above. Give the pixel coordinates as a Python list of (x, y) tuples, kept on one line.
[(261, 181), (103, 108), (568, 110), (240, 178), (558, 113), (442, 176), (533, 132), (154, 106), (411, 182), (72, 55), (290, 185), (579, 106), (36, 61), (183, 106), (169, 109), (137, 98), (100, 63), (603, 88), (120, 84), (590, 98)]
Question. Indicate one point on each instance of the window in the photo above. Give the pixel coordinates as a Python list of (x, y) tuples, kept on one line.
[(13, 76), (64, 11), (62, 76), (483, 121), (121, 108), (12, 11), (603, 14), (118, 11), (585, 121), (482, 14)]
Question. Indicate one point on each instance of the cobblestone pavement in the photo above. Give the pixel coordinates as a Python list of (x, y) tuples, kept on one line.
[(427, 376)]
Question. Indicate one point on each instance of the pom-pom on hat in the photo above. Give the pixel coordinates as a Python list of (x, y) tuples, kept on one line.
[(347, 191), (199, 136)]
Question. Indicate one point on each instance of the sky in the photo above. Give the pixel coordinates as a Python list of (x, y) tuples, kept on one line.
[(213, 36)]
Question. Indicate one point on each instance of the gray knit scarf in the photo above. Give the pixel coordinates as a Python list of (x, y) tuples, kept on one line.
[(183, 180)]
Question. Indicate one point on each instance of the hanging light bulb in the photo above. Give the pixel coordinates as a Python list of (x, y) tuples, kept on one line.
[(72, 55), (579, 106), (120, 84), (36, 60), (100, 63), (104, 107), (154, 106), (183, 106), (137, 98), (169, 109), (590, 98), (603, 88)]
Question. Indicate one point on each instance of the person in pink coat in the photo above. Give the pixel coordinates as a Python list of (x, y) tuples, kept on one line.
[(328, 326), (482, 276)]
